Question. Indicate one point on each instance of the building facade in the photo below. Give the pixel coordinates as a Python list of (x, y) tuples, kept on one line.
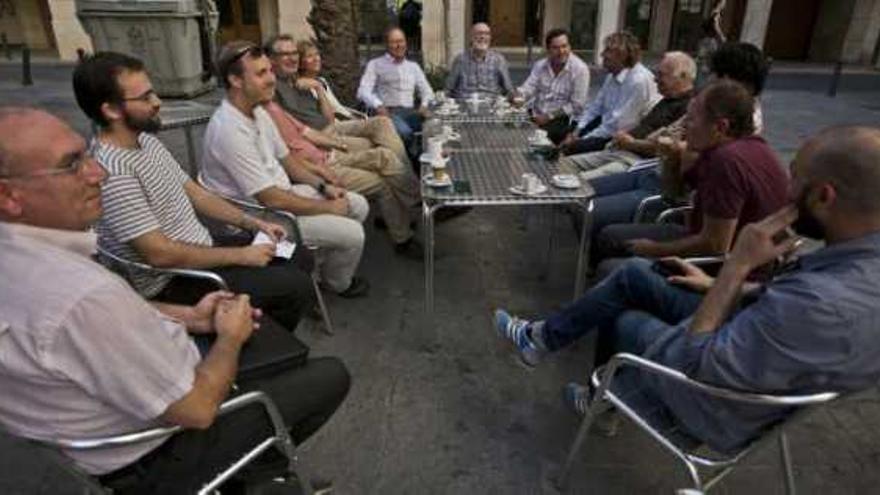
[(803, 30)]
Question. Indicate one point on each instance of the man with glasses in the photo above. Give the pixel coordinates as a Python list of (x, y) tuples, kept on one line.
[(152, 208), (245, 157), (479, 70), (85, 356)]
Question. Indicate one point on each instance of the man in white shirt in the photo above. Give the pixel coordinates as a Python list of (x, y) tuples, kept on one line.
[(84, 356), (556, 90), (389, 84), (628, 93), (244, 156)]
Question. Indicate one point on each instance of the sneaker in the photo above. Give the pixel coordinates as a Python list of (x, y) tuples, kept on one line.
[(516, 330), (577, 397), (359, 287), (410, 248)]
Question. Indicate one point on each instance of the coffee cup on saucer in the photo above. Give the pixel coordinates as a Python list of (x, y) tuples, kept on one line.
[(434, 151), (438, 170), (530, 183), (450, 133)]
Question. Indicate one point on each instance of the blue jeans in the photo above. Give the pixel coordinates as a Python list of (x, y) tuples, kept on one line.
[(629, 307), (407, 122), (618, 196)]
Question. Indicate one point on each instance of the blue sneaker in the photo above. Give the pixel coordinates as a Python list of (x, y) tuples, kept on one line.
[(516, 330), (577, 398)]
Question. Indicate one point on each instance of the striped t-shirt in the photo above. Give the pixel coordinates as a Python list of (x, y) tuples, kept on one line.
[(144, 192)]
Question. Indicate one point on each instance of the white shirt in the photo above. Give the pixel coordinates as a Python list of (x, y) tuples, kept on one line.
[(389, 83), (241, 156), (548, 93), (623, 100), (83, 355)]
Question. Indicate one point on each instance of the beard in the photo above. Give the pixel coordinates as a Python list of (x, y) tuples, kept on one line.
[(151, 124), (807, 224)]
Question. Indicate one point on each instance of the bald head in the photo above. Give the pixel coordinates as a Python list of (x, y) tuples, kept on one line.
[(18, 139), (848, 158)]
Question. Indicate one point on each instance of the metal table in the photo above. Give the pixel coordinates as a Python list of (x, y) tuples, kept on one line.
[(492, 156), (185, 114)]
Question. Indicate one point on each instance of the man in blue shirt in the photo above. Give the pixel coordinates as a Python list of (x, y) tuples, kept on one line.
[(812, 328)]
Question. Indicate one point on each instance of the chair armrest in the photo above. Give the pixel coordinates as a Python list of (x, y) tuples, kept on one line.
[(231, 405), (603, 376), (667, 215), (644, 164), (212, 277), (645, 205)]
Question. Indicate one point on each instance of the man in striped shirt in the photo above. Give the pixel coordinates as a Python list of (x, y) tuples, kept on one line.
[(151, 205)]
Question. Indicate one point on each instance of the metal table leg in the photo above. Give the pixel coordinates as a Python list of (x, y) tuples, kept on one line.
[(428, 218), (583, 250)]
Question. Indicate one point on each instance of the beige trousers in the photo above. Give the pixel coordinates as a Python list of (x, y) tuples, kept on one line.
[(369, 133), (378, 174)]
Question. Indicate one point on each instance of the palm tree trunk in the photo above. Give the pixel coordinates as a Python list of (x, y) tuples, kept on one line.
[(335, 23)]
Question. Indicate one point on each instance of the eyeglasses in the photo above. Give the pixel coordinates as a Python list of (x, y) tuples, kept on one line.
[(75, 164), (144, 98), (285, 54)]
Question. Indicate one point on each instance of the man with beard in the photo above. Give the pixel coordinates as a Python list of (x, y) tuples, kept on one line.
[(244, 156), (151, 205), (479, 70), (811, 328)]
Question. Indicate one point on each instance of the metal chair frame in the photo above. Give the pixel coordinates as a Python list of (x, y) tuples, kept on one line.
[(604, 399), (280, 439)]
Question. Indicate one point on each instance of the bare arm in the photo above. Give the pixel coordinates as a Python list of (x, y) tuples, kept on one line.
[(163, 252), (714, 238), (280, 199)]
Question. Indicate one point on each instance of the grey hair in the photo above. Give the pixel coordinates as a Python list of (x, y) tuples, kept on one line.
[(683, 65), (849, 158)]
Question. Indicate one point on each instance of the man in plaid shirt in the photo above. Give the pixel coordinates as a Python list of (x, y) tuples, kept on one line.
[(480, 69)]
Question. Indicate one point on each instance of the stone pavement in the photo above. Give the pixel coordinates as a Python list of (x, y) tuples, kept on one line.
[(440, 406)]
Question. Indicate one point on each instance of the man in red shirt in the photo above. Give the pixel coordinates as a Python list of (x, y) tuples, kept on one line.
[(736, 180)]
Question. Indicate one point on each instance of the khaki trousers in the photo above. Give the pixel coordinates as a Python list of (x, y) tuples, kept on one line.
[(372, 132), (378, 174)]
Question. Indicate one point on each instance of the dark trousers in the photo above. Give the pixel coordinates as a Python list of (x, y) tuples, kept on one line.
[(282, 289), (408, 122), (307, 396), (614, 239), (558, 128)]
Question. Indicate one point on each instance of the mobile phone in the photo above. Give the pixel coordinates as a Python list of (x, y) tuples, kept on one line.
[(462, 186)]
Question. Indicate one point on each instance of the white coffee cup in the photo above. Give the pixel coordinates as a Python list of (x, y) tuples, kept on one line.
[(539, 135), (449, 133), (530, 183), (440, 96), (435, 148)]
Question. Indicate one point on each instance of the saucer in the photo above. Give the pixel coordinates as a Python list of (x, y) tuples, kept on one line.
[(426, 158), (430, 181), (455, 136), (566, 181), (518, 190)]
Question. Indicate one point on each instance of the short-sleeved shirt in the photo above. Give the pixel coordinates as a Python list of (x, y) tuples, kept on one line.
[(144, 193), (301, 103), (741, 180), (83, 355), (241, 155)]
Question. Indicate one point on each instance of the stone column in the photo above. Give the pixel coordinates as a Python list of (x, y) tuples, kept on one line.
[(607, 22), (556, 15), (862, 32), (292, 18), (661, 25), (434, 33), (457, 29), (69, 33), (754, 29)]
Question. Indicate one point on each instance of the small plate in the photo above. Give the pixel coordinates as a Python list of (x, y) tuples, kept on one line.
[(566, 181), (425, 158), (432, 182), (518, 190)]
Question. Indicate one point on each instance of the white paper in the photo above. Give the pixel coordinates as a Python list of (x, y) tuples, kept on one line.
[(283, 249)]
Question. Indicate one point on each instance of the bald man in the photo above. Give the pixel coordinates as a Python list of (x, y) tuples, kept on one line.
[(480, 69), (812, 328), (84, 356)]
